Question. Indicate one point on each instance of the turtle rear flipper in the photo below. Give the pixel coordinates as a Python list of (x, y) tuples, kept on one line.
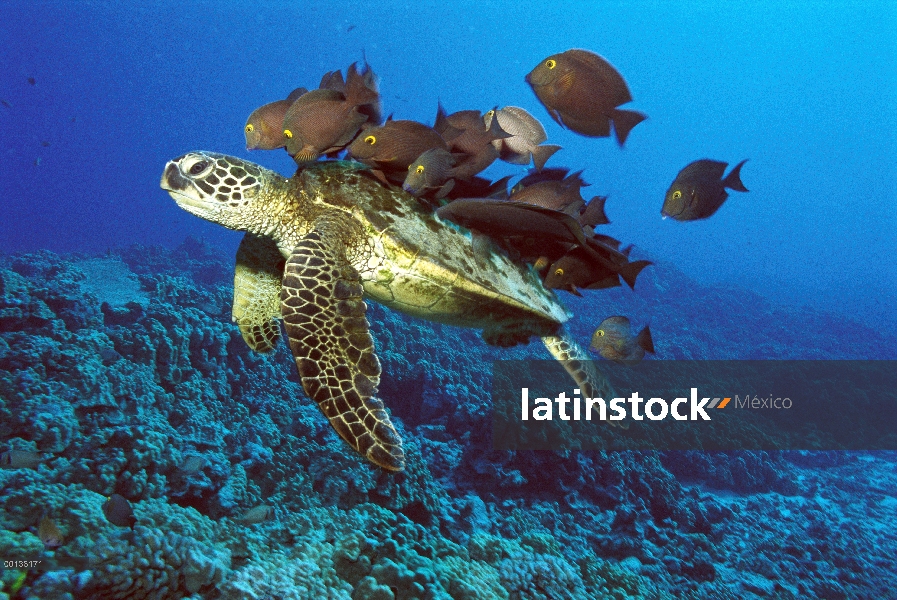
[(322, 307), (256, 305), (577, 362)]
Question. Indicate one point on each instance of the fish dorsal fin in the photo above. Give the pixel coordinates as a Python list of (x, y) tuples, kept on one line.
[(297, 93)]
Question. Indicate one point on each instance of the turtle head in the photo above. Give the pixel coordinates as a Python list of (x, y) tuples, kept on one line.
[(216, 187)]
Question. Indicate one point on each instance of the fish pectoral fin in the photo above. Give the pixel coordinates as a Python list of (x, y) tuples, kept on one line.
[(330, 338), (256, 306), (557, 118), (443, 191), (564, 83)]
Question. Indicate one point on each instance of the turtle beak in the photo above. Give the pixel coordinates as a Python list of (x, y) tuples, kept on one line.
[(182, 191), (172, 180)]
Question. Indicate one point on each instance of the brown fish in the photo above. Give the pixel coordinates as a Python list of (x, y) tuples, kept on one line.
[(466, 132), (118, 511), (50, 534), (699, 190), (479, 187), (561, 195), (20, 459), (527, 231), (394, 145), (326, 120), (613, 340), (592, 214), (264, 127), (432, 171), (579, 270), (582, 91), (525, 136), (258, 514), (575, 270)]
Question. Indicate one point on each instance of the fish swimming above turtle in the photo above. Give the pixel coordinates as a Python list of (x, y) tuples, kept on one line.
[(583, 92), (317, 245), (699, 190), (525, 140)]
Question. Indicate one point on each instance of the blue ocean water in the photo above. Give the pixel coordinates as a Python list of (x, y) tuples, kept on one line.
[(98, 96), (804, 90)]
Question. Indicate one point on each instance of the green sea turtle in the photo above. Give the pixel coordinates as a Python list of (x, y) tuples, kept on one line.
[(319, 242)]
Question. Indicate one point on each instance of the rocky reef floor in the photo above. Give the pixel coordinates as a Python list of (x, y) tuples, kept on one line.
[(124, 374)]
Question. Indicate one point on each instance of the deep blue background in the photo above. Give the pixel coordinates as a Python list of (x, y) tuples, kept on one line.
[(806, 90)]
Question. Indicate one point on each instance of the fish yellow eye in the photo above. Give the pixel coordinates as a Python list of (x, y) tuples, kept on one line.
[(551, 63), (600, 333), (249, 128), (419, 169), (677, 194), (490, 113), (559, 272), (370, 140), (287, 133)]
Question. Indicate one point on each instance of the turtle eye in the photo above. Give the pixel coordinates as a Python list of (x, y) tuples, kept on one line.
[(287, 133), (559, 272), (551, 63), (199, 167), (677, 194), (249, 128), (419, 169), (370, 140)]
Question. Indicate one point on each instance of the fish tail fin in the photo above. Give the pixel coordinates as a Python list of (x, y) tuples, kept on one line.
[(541, 154), (733, 179), (593, 214), (499, 189), (644, 340), (358, 91), (631, 270), (577, 362), (624, 121)]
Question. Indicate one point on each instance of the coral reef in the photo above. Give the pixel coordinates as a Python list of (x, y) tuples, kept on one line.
[(116, 369)]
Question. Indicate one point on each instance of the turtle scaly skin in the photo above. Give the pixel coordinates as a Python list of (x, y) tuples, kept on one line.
[(346, 237)]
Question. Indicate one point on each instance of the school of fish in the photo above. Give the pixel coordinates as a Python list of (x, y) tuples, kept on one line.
[(543, 218)]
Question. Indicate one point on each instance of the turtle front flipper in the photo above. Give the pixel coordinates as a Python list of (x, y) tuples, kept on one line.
[(576, 361), (257, 292), (322, 307)]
